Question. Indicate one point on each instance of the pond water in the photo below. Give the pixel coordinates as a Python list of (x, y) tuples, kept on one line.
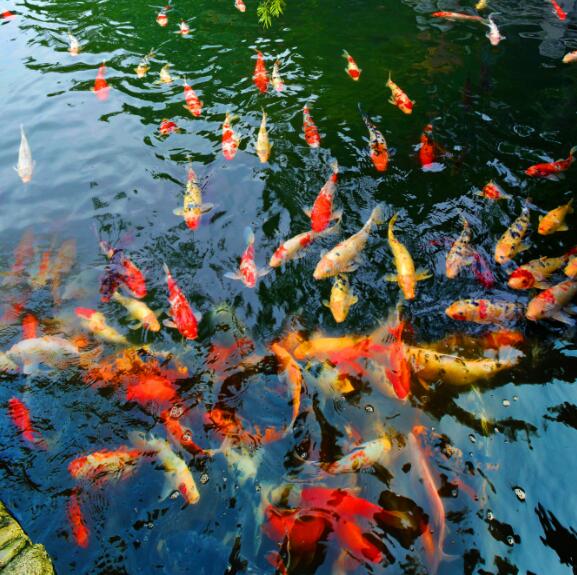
[(468, 477)]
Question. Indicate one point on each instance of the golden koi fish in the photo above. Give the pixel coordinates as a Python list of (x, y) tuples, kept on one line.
[(96, 323), (138, 311), (483, 311), (459, 255), (510, 243), (554, 221), (549, 304), (294, 377), (341, 299), (192, 206), (263, 145)]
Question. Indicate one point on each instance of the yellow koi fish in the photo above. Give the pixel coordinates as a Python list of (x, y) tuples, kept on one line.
[(138, 311), (165, 77), (96, 323), (554, 221), (341, 299), (549, 304), (263, 145), (294, 377), (511, 242), (192, 206), (571, 269)]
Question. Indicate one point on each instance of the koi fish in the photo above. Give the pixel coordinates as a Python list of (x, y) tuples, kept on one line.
[(180, 434), (493, 191), (263, 145), (483, 311), (230, 140), (352, 69), (481, 270), (41, 278), (260, 76), (144, 65), (80, 531), (240, 5), (493, 34), (535, 273), (322, 210), (427, 155), (7, 15), (554, 221), (138, 311), (397, 369), (341, 299), (551, 168), (164, 76), (248, 272), (25, 166), (293, 376), (178, 474), (193, 104), (193, 207), (73, 45), (96, 323), (431, 366), (167, 127), (570, 57), (29, 326), (379, 152), (162, 18), (457, 16), (101, 88), (311, 131), (183, 318), (459, 255), (183, 28), (62, 264), (147, 388), (549, 304), (511, 242), (406, 275), (20, 416), (105, 465), (571, 269), (558, 11), (277, 82), (481, 5), (362, 456), (344, 256), (121, 270), (399, 98)]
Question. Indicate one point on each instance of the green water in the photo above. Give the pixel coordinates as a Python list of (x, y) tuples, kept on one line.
[(103, 172)]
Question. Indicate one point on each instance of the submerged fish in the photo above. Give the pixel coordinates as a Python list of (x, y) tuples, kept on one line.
[(511, 242), (554, 221), (25, 166), (138, 311), (165, 77), (484, 311), (96, 323), (183, 318), (144, 65), (230, 140), (248, 272), (193, 206), (20, 416), (362, 456), (322, 213), (352, 69), (80, 531), (263, 145), (73, 45), (277, 82), (399, 98), (460, 254), (550, 304), (260, 76), (457, 16), (493, 191), (310, 129), (341, 299), (105, 465), (101, 88), (379, 152), (558, 11), (547, 169), (294, 378)]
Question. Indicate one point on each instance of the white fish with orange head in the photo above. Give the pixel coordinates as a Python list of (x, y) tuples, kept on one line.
[(553, 303)]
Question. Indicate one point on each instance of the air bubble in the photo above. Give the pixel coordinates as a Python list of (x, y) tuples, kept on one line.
[(369, 409), (204, 478), (506, 403), (472, 438), (521, 496), (490, 515), (510, 540)]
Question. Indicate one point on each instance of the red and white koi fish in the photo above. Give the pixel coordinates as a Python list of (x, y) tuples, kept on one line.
[(312, 136), (277, 82), (536, 272), (352, 69), (162, 18), (493, 191), (457, 16), (361, 457), (180, 434), (551, 168), (558, 11), (483, 311), (240, 5), (248, 272), (183, 28), (101, 88), (25, 166), (549, 304), (230, 140), (105, 465), (399, 98), (260, 76), (193, 104), (379, 152), (7, 16), (167, 127), (493, 34), (183, 318), (80, 531), (322, 210), (20, 416)]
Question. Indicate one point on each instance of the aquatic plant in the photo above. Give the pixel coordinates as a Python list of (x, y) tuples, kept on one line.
[(269, 8)]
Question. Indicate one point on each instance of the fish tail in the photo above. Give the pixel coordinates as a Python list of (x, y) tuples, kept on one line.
[(392, 222), (166, 270), (346, 54), (335, 167), (389, 80), (573, 151), (249, 235), (377, 216)]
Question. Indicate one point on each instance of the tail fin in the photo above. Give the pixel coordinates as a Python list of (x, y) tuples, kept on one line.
[(335, 167), (166, 270), (346, 54), (389, 80), (377, 216), (248, 235), (393, 221), (573, 151)]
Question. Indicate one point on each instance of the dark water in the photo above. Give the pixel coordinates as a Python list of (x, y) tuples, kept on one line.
[(103, 172)]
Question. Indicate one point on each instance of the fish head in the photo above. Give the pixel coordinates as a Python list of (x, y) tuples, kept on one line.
[(278, 257), (325, 268), (458, 310), (407, 285), (521, 279), (151, 323), (192, 218), (188, 490)]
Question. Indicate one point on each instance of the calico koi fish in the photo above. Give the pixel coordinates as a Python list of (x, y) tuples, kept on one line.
[(293, 375), (322, 210), (193, 104), (494, 35), (511, 242), (460, 253), (101, 88), (248, 272), (193, 206), (311, 131), (25, 166), (240, 5), (406, 275), (73, 45), (536, 272), (260, 76), (138, 311), (20, 416), (551, 168), (230, 140), (263, 145), (379, 152), (167, 127), (183, 318), (80, 531), (554, 221), (183, 28), (277, 82), (96, 323), (105, 465), (483, 311), (162, 18), (399, 98), (457, 16), (558, 11), (344, 257), (341, 299), (493, 191), (352, 69), (361, 457), (549, 304)]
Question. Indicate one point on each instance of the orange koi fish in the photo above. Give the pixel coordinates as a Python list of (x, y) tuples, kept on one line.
[(167, 127), (571, 269), (105, 465), (322, 211), (20, 416), (150, 388), (427, 154), (101, 88), (193, 104), (501, 338), (260, 76), (554, 221), (294, 378), (248, 272), (536, 272), (312, 136), (570, 57), (558, 11), (277, 82), (29, 326), (493, 191), (549, 304), (457, 16), (183, 318), (399, 98), (352, 69), (379, 152), (551, 168), (178, 432), (80, 531), (183, 28), (511, 242), (483, 311), (398, 370), (162, 18), (230, 140), (240, 5), (7, 15)]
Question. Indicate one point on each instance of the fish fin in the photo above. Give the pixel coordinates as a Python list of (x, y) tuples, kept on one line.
[(169, 323), (351, 267), (197, 315), (391, 277), (178, 212), (136, 325), (261, 272), (392, 101), (353, 300), (332, 230), (167, 490), (307, 211), (423, 383), (563, 318), (248, 235), (522, 248), (337, 215), (563, 228), (423, 275), (206, 207), (326, 303), (233, 275), (542, 285)]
